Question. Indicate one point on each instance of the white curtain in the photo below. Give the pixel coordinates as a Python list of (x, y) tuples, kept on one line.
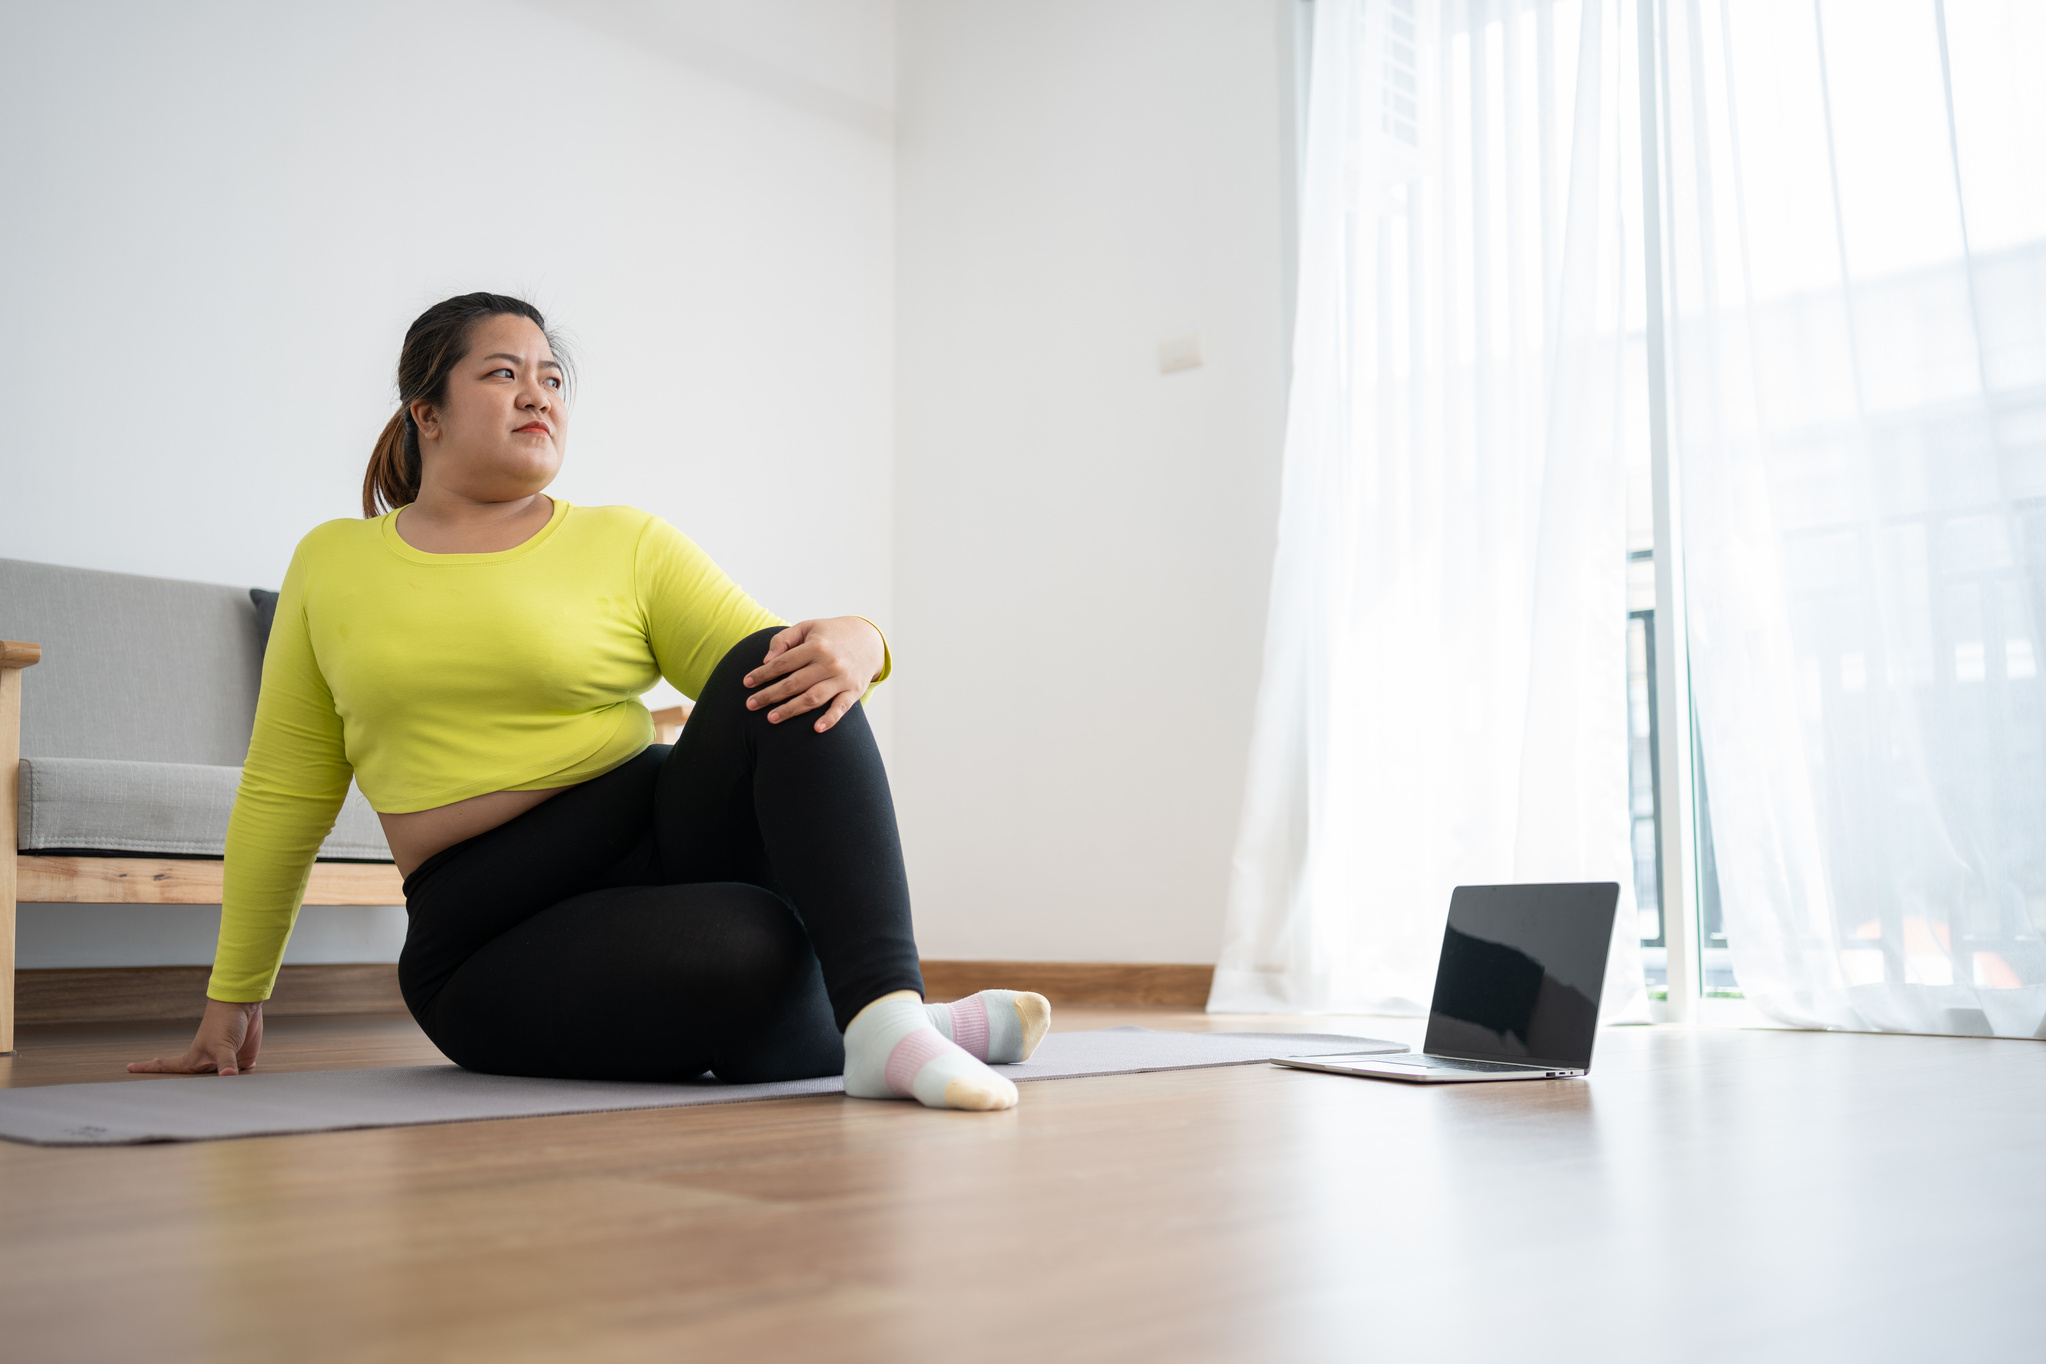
[(1444, 694), (1858, 194)]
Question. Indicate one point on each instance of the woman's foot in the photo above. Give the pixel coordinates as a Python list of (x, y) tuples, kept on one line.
[(996, 1026), (893, 1052)]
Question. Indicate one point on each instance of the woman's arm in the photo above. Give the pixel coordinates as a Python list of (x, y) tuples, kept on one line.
[(292, 786), (821, 663), (694, 615)]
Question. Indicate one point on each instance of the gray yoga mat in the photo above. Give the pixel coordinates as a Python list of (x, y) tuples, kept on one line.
[(206, 1108)]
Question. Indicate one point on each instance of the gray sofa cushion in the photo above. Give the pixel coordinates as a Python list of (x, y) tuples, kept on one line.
[(102, 805), (145, 669)]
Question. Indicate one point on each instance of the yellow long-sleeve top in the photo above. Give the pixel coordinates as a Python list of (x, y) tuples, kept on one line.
[(431, 678)]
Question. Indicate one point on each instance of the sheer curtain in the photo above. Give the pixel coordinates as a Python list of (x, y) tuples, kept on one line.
[(1858, 338), (1444, 695)]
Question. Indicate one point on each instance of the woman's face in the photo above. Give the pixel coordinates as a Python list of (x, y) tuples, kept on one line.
[(501, 432)]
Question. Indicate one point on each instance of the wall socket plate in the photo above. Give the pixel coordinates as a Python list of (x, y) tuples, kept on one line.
[(1176, 353)]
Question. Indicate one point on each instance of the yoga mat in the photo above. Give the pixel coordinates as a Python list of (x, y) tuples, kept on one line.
[(207, 1108)]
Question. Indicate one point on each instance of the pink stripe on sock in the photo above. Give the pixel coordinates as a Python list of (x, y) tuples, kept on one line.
[(911, 1055), (969, 1026)]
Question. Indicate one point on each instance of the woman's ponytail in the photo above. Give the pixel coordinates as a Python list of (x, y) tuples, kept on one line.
[(434, 344), (393, 477)]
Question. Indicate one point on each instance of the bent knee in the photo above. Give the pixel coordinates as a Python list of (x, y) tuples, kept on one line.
[(748, 654), (726, 689)]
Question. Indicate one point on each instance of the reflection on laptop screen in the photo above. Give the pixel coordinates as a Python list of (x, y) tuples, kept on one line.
[(1522, 969)]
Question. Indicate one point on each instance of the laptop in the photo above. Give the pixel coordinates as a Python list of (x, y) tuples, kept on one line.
[(1516, 993)]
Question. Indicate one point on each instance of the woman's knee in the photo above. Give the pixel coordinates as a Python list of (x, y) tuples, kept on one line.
[(739, 660), (722, 701), (721, 710)]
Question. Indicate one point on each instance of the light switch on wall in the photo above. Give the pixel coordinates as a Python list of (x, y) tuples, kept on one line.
[(1179, 352)]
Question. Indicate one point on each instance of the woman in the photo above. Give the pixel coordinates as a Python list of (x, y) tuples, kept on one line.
[(582, 902)]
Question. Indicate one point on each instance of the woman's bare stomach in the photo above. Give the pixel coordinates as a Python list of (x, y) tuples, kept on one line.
[(416, 836)]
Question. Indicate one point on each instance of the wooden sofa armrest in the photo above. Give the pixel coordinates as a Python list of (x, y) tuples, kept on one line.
[(668, 721), (14, 656)]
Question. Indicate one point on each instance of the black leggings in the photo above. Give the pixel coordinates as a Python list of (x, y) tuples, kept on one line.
[(726, 905)]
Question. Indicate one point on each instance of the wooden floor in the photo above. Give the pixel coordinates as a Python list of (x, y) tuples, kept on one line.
[(1751, 1196)]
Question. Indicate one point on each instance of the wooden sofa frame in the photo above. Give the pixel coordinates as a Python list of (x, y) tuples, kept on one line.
[(146, 880)]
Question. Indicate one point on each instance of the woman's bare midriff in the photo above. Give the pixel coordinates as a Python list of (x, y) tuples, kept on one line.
[(416, 836)]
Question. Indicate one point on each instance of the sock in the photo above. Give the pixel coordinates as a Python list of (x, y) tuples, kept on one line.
[(893, 1052), (996, 1026)]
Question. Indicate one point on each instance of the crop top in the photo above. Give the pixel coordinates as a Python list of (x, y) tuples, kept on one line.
[(431, 678)]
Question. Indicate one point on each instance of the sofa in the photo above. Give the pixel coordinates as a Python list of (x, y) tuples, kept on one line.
[(135, 698)]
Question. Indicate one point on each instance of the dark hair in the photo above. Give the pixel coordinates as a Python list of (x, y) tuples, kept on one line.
[(434, 344)]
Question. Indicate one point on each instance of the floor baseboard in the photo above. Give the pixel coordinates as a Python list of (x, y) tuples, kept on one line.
[(1075, 982), (140, 994)]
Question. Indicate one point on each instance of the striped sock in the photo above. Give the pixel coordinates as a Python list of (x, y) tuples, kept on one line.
[(893, 1052), (996, 1026)]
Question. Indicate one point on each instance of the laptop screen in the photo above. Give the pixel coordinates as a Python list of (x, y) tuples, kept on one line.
[(1521, 972)]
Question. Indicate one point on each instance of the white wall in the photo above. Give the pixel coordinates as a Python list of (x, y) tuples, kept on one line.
[(1083, 545), (217, 220)]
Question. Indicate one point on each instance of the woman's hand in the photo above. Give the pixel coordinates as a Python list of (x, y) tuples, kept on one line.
[(826, 663), (229, 1037)]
